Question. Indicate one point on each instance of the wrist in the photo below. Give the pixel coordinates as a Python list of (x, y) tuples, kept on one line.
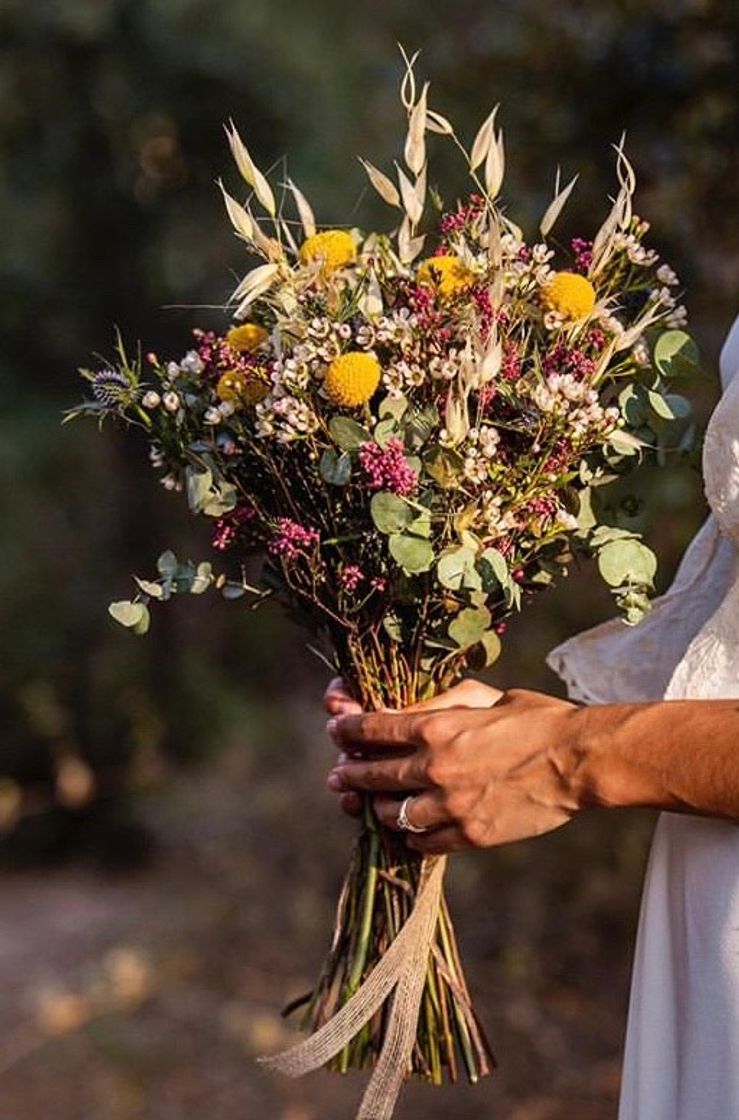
[(609, 763), (595, 771)]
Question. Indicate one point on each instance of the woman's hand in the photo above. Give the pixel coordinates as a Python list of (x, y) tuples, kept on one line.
[(485, 767)]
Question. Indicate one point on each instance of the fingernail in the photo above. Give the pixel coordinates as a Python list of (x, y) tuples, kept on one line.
[(334, 781), (331, 726)]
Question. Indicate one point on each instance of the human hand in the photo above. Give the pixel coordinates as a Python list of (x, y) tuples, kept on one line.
[(484, 767), (338, 701)]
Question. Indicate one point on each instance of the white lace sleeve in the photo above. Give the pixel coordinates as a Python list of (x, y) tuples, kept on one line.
[(615, 662)]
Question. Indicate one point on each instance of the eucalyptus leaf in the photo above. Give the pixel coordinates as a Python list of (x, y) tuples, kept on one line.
[(222, 499), (334, 468), (394, 407), (155, 590), (419, 426), (625, 443), (456, 570), (142, 626), (497, 562), (390, 513), (202, 579), (128, 613), (420, 526), (198, 487), (468, 627), (233, 591), (413, 554), (625, 562), (347, 433), (384, 431), (676, 354), (167, 564), (660, 405)]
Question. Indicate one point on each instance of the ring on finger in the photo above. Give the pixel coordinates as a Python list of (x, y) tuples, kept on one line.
[(404, 823)]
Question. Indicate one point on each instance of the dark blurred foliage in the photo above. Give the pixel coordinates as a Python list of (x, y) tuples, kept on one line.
[(110, 145), (111, 137)]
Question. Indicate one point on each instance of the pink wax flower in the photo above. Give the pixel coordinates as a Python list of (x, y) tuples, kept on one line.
[(565, 359), (582, 250), (228, 526), (351, 576), (292, 539), (386, 468)]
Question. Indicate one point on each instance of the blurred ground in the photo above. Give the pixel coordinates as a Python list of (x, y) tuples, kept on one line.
[(147, 995)]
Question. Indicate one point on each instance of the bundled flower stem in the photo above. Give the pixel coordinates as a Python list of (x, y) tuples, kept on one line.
[(413, 432)]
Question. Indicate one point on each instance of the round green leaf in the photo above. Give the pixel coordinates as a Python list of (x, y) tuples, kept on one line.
[(167, 565), (390, 513), (335, 469), (384, 431), (456, 570), (661, 406), (675, 354), (347, 433), (413, 554), (497, 562), (468, 627), (128, 613), (486, 652), (627, 561)]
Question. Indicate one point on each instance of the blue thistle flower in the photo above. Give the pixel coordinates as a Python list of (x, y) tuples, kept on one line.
[(112, 389)]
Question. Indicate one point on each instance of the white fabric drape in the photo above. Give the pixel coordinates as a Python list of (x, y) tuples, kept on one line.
[(682, 1045)]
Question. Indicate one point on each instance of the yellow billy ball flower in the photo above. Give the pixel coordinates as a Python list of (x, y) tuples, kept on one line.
[(237, 388), (352, 378), (448, 274), (333, 248), (246, 337), (570, 294)]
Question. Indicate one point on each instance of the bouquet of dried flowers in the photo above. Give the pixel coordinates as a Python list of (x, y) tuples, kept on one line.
[(409, 429)]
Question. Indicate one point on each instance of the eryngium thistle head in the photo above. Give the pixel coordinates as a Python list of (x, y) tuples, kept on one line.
[(112, 389)]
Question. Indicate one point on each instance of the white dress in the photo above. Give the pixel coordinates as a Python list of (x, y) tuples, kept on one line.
[(681, 1059)]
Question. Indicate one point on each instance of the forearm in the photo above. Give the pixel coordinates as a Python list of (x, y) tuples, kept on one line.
[(679, 755)]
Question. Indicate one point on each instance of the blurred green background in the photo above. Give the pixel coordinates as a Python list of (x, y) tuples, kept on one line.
[(169, 860)]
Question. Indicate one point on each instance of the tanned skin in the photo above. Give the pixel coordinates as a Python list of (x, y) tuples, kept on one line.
[(489, 767)]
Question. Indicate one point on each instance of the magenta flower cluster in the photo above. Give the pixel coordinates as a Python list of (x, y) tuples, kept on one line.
[(386, 468), (582, 251), (350, 577), (227, 527), (565, 359), (455, 220), (292, 539)]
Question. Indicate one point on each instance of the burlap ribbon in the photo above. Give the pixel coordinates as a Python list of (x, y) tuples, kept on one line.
[(403, 968)]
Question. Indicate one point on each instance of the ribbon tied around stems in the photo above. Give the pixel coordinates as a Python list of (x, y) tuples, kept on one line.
[(402, 968)]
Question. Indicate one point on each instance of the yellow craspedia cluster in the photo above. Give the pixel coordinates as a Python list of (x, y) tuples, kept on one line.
[(447, 273), (246, 337), (570, 294), (352, 378), (238, 388), (334, 248)]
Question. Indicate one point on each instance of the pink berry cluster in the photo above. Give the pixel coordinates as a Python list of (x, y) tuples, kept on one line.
[(292, 539), (227, 528), (350, 577), (386, 468), (456, 220), (566, 359), (218, 357), (582, 251)]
